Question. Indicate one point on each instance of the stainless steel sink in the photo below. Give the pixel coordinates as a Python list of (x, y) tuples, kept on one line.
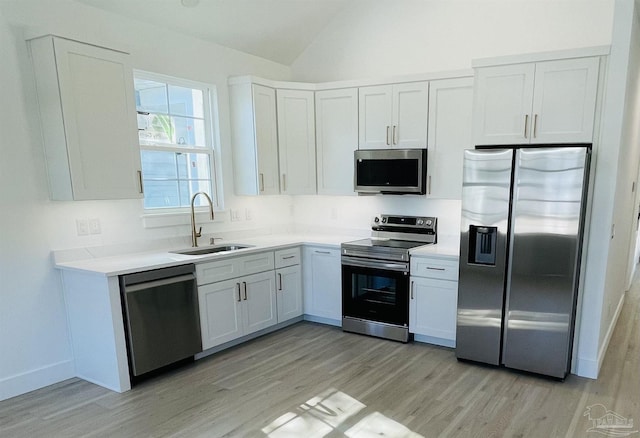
[(211, 249)]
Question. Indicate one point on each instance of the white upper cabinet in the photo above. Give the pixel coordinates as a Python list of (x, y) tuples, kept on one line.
[(393, 116), (88, 115), (450, 108), (296, 142), (544, 102), (255, 139), (336, 140), (564, 101)]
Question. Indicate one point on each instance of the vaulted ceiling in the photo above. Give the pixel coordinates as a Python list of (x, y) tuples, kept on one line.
[(278, 30)]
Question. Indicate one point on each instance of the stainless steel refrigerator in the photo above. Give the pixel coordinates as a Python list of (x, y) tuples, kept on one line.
[(520, 249)]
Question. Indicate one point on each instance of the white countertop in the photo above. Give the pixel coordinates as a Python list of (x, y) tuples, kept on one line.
[(142, 261), (447, 247)]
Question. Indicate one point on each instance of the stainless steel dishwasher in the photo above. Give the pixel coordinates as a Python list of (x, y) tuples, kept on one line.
[(162, 320)]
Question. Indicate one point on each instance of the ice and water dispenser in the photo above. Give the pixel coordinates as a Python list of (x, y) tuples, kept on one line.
[(482, 245)]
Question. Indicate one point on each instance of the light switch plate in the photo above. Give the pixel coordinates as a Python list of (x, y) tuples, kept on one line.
[(82, 227)]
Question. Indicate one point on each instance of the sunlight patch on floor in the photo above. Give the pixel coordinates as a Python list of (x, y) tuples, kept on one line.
[(377, 425), (322, 414)]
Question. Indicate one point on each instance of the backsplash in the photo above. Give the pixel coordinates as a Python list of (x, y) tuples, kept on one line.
[(355, 212)]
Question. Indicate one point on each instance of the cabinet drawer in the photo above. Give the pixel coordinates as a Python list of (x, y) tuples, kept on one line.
[(233, 267), (287, 257), (434, 268)]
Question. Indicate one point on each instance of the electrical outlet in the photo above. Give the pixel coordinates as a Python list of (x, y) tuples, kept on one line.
[(247, 214), (236, 215), (82, 227), (231, 215), (94, 226)]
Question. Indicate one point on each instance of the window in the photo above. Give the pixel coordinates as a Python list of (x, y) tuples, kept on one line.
[(175, 133)]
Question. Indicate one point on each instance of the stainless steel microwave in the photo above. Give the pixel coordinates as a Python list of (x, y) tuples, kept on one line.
[(390, 171)]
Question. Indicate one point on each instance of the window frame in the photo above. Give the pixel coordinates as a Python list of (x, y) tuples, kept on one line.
[(212, 140)]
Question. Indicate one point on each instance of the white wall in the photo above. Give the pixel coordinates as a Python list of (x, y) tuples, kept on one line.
[(34, 345), (624, 207), (386, 37)]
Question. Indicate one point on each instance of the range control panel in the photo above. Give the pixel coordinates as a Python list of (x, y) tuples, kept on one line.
[(407, 224)]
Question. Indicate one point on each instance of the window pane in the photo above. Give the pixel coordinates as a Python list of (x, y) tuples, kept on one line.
[(171, 178), (193, 166), (161, 194), (186, 101), (189, 188), (151, 96), (159, 165), (189, 131)]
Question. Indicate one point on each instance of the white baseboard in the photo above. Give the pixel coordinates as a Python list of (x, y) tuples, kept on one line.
[(35, 379), (323, 320), (435, 341), (590, 367)]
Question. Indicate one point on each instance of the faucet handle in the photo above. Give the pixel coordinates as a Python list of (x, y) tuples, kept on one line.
[(212, 240), (199, 233)]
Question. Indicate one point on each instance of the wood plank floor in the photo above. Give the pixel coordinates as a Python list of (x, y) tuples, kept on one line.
[(311, 380)]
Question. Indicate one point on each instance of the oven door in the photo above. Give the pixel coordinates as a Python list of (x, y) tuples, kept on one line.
[(375, 290)]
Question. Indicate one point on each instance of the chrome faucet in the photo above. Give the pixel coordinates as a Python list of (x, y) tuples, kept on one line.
[(195, 234)]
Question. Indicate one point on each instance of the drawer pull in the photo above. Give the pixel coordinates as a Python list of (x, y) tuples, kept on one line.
[(436, 269), (288, 257), (322, 252)]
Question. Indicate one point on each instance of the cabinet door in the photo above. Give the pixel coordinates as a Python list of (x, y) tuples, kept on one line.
[(259, 299), (433, 308), (289, 292), (502, 104), (322, 283), (266, 138), (410, 113), (254, 139), (296, 142), (89, 120), (450, 108), (564, 101), (375, 106), (220, 313), (336, 140)]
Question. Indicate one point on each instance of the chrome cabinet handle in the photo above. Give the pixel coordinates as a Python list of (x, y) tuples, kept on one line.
[(429, 185), (394, 136), (388, 142), (280, 281), (244, 285), (435, 269), (262, 182), (140, 181), (535, 125), (322, 252), (412, 290), (287, 257), (526, 122), (239, 298)]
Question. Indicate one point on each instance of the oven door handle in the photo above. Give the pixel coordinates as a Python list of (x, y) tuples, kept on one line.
[(375, 264)]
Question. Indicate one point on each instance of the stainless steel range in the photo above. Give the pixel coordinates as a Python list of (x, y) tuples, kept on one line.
[(375, 276)]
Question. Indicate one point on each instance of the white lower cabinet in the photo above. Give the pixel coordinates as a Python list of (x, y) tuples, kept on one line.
[(322, 284), (259, 299), (289, 292), (433, 301), (220, 313), (234, 307)]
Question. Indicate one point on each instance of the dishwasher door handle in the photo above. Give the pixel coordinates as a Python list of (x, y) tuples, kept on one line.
[(158, 283)]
